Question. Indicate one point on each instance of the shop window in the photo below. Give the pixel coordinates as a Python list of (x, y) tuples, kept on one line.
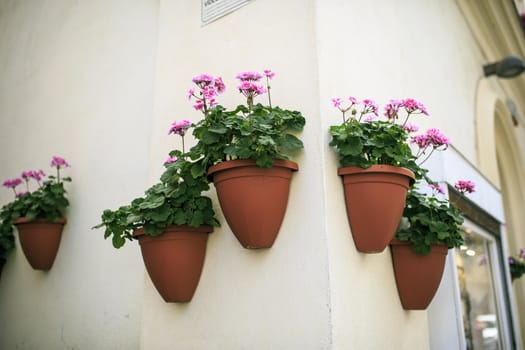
[(472, 308), (482, 303)]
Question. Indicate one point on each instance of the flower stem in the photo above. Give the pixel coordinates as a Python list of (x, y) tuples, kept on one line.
[(426, 158), (406, 119), (204, 106), (268, 88), (249, 102)]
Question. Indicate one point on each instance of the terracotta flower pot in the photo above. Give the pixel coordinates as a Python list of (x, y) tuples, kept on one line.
[(375, 199), (253, 199), (174, 260), (40, 240), (417, 276)]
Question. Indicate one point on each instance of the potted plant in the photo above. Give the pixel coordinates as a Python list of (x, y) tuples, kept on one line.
[(247, 154), (38, 215), (431, 226), (517, 265), (376, 165), (171, 222)]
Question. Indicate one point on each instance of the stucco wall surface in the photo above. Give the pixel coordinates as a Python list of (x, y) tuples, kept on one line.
[(100, 82), (76, 80), (246, 299), (418, 49)]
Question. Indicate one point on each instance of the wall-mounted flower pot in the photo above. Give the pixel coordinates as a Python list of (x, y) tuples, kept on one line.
[(253, 199), (417, 276), (40, 240), (174, 260), (375, 199)]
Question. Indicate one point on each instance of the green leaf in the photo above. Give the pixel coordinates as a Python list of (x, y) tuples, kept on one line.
[(291, 142), (118, 241)]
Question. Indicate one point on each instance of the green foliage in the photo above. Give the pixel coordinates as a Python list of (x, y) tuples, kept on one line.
[(176, 200), (431, 221), (7, 239), (247, 132), (517, 266), (368, 143), (47, 202), (262, 133)]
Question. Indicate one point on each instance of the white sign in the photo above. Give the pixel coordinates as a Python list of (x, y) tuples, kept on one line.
[(214, 9)]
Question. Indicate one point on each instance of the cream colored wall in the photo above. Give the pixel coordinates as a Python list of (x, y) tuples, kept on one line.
[(419, 49), (344, 306), (109, 78), (76, 80), (273, 299)]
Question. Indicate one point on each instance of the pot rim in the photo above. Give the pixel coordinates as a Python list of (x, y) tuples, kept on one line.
[(24, 220), (398, 242), (237, 163), (376, 168), (178, 228)]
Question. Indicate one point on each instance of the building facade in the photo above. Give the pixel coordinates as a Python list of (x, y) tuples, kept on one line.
[(99, 82)]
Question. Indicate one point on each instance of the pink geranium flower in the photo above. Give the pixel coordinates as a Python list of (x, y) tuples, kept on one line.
[(170, 160), (392, 109), (336, 102), (436, 138), (59, 162), (12, 183), (437, 188), (249, 76), (179, 127), (465, 186), (203, 80), (409, 127), (269, 74)]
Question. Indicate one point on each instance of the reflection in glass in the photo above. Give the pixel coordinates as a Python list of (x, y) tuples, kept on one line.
[(477, 293)]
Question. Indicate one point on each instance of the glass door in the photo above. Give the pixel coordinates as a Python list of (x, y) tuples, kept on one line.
[(483, 303)]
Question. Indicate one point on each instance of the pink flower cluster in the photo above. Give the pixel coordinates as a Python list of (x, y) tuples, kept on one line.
[(12, 183), (33, 174), (37, 175), (59, 162), (432, 138), (437, 188), (410, 105), (170, 160), (248, 83), (409, 127), (370, 106), (179, 128), (249, 76), (210, 87), (391, 109), (369, 110), (465, 186), (269, 74)]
